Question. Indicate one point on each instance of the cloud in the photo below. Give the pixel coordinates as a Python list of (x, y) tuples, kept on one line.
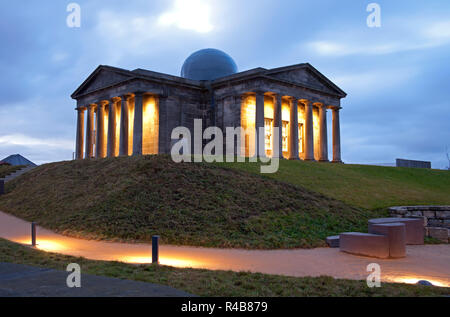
[(188, 15), (375, 81), (28, 141), (417, 37)]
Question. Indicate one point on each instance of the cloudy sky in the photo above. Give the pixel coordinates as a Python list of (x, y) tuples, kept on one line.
[(397, 76)]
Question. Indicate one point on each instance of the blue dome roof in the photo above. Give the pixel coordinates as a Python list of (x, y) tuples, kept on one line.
[(208, 64)]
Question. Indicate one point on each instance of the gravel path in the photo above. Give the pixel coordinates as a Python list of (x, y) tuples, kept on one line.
[(430, 262)]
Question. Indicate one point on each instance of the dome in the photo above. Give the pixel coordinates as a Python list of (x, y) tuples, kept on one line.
[(208, 64)]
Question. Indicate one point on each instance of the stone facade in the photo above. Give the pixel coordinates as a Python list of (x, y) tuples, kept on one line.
[(436, 219), (113, 115)]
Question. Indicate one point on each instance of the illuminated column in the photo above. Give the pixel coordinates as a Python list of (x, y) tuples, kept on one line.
[(80, 134), (90, 132), (323, 138), (309, 130), (123, 147), (163, 135), (112, 128), (336, 136), (278, 123), (259, 123), (100, 142), (293, 135), (138, 123)]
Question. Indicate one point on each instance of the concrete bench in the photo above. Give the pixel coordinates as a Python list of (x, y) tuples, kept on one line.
[(414, 227), (396, 233), (367, 244)]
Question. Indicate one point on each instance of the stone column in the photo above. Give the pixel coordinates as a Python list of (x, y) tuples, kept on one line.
[(309, 130), (278, 122), (336, 136), (259, 122), (323, 137), (138, 123), (100, 142), (90, 132), (163, 135), (293, 134), (124, 117), (112, 128), (80, 134)]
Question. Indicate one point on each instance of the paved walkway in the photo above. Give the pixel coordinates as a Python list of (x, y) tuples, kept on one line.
[(23, 281), (430, 262)]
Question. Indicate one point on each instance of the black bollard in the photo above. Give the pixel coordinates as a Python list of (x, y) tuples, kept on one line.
[(155, 249), (2, 187), (33, 234)]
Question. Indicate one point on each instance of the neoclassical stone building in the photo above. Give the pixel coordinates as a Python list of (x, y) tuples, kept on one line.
[(134, 112)]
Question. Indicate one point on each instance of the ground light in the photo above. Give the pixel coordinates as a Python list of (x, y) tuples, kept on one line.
[(418, 280)]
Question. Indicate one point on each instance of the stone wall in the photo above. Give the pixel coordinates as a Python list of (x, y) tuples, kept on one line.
[(436, 219), (413, 164)]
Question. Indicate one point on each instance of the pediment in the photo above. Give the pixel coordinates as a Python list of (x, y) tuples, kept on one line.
[(102, 77), (308, 76)]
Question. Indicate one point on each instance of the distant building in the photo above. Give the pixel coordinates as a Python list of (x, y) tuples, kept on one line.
[(411, 163), (134, 112), (17, 159)]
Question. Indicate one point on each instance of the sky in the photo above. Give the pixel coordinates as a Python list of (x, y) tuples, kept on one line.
[(397, 76)]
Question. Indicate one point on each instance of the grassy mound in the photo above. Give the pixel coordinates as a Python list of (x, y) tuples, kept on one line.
[(363, 186), (199, 204)]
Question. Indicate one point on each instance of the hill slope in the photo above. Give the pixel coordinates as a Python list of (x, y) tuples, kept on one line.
[(133, 198), (363, 186)]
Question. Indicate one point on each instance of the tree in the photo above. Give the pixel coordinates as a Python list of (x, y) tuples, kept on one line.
[(448, 157)]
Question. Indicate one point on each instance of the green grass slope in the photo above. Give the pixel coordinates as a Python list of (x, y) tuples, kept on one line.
[(363, 186), (199, 204)]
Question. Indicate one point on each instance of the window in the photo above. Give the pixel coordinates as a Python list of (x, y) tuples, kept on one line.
[(300, 138), (268, 125), (285, 132)]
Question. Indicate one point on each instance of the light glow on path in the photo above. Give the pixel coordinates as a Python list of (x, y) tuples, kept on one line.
[(429, 262)]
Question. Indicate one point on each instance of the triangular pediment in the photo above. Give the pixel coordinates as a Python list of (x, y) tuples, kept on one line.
[(308, 76), (103, 76)]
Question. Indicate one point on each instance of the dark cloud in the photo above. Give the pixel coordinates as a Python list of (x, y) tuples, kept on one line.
[(396, 77)]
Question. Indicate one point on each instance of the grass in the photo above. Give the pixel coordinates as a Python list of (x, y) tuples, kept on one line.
[(133, 198), (215, 283), (5, 170), (363, 186)]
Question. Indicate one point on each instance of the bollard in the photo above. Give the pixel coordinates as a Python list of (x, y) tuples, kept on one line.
[(2, 187), (155, 249), (33, 234)]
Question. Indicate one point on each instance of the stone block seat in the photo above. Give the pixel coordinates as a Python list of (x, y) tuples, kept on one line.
[(414, 227), (396, 234), (333, 241), (367, 244)]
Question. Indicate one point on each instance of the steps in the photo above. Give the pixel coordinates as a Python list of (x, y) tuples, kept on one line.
[(17, 173)]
